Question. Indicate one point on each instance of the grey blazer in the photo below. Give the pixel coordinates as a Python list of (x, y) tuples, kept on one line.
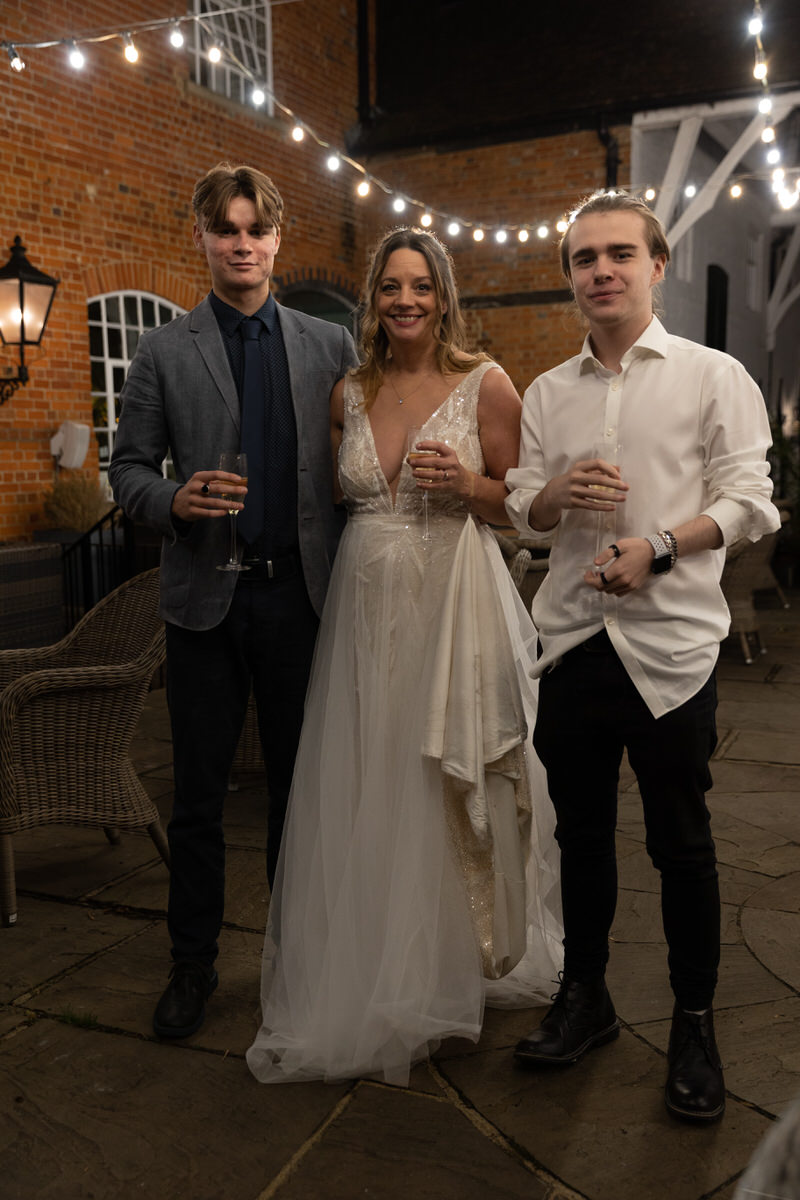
[(180, 394)]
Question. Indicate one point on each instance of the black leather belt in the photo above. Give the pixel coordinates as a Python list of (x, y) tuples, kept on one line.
[(269, 569), (598, 643)]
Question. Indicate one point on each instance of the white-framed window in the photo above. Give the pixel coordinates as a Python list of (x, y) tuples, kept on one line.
[(245, 38), (116, 322), (683, 257)]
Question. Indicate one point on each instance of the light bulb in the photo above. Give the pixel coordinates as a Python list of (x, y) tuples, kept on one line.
[(131, 53), (754, 26), (298, 133), (760, 69), (736, 191), (258, 96), (768, 134), (333, 162), (788, 199), (454, 229), (765, 104), (562, 226), (426, 220), (398, 204), (650, 194), (176, 37), (478, 235), (14, 58), (76, 57), (214, 53), (542, 231), (363, 188), (690, 190), (501, 236), (773, 155), (523, 235)]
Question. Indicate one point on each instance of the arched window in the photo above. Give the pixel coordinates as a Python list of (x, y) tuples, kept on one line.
[(319, 301), (116, 322), (716, 307)]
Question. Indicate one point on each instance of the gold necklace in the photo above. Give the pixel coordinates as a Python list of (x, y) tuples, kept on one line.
[(400, 398)]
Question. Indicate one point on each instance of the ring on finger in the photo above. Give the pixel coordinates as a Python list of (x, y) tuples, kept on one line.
[(446, 476), (205, 489), (616, 549), (605, 581)]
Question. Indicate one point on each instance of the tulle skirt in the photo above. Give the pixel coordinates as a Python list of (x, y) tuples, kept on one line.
[(381, 926)]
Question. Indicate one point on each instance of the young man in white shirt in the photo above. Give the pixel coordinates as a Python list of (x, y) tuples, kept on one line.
[(642, 457)]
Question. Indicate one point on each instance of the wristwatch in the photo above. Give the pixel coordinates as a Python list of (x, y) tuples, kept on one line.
[(664, 555)]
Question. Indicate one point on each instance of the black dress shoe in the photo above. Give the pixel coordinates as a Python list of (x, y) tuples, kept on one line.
[(182, 1009), (582, 1016), (695, 1087)]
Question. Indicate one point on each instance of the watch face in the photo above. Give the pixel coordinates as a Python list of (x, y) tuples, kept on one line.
[(661, 563)]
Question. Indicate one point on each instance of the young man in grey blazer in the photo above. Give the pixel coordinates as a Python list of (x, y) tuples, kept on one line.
[(237, 359)]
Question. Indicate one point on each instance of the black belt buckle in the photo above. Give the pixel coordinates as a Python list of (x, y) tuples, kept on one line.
[(269, 569)]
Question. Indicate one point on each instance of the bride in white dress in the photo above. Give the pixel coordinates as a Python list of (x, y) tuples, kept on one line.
[(418, 875)]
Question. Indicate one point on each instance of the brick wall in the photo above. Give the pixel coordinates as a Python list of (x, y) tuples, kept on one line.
[(98, 168)]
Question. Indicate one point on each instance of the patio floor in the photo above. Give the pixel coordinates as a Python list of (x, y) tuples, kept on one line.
[(96, 1108)]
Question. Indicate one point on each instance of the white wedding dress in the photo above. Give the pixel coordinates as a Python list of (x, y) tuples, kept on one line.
[(418, 863)]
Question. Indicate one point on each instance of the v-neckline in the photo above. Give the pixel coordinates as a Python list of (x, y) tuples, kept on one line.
[(436, 411)]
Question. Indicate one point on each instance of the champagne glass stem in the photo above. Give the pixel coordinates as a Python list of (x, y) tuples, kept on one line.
[(232, 558), (426, 533)]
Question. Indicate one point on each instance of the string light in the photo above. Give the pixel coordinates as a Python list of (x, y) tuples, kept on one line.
[(75, 56), (335, 158)]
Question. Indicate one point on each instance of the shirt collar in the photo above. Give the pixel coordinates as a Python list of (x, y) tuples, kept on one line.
[(653, 342), (230, 318)]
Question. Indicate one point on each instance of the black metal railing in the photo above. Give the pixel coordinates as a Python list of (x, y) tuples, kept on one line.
[(113, 550)]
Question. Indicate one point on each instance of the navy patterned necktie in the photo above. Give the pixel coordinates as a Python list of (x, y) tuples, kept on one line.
[(251, 519)]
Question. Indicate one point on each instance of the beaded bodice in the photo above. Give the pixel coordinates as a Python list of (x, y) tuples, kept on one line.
[(363, 482)]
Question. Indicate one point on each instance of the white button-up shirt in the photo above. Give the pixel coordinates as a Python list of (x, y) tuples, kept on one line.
[(689, 430)]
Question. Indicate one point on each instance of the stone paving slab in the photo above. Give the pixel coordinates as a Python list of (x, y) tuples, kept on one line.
[(764, 746), (65, 862), (90, 1116), (602, 1126), (774, 938), (775, 714), (776, 811), (52, 939), (638, 919), (440, 1154), (122, 988)]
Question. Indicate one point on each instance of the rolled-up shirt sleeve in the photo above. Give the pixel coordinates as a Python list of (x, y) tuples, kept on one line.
[(737, 436)]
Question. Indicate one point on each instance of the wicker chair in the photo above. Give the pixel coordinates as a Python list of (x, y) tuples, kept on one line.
[(527, 572), (67, 715)]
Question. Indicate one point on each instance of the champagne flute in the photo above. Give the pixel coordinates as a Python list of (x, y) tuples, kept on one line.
[(234, 464), (412, 454), (610, 451)]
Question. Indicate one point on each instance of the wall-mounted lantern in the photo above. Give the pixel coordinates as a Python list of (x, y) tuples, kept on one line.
[(26, 296)]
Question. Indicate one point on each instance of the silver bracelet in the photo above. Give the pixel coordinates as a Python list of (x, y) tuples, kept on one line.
[(669, 538)]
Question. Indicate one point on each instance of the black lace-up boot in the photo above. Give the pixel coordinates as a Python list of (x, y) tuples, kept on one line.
[(695, 1087), (582, 1016)]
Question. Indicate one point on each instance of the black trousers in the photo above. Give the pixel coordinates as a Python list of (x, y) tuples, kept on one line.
[(589, 712), (268, 638)]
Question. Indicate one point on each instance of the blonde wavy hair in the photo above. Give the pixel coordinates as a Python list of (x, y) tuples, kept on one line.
[(452, 354)]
